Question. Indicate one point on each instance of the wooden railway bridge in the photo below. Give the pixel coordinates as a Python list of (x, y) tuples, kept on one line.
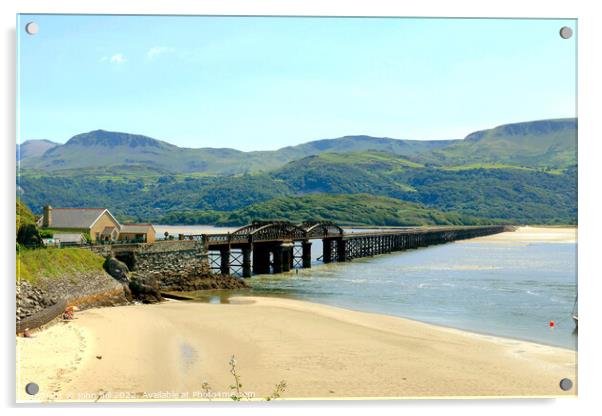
[(279, 246)]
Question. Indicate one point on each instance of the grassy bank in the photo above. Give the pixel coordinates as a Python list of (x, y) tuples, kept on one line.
[(24, 215), (35, 264)]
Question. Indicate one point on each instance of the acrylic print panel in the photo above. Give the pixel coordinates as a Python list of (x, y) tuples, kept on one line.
[(266, 208)]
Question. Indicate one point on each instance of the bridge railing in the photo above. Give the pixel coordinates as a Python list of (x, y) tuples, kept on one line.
[(419, 230), (276, 234)]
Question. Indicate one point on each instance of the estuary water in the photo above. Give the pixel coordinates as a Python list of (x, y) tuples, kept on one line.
[(511, 287)]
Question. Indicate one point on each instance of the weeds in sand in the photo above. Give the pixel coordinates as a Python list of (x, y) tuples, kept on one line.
[(278, 390), (237, 384), (206, 389), (237, 393)]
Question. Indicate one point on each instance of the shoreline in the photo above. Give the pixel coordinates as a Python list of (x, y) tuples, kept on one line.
[(175, 296), (317, 349), (530, 234), (434, 326)]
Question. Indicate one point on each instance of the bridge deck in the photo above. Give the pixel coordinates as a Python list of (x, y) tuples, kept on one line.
[(235, 239)]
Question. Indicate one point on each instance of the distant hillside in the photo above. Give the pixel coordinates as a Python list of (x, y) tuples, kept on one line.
[(510, 193), (495, 192), (34, 148), (106, 150), (544, 143), (349, 144), (367, 172), (358, 209), (516, 173)]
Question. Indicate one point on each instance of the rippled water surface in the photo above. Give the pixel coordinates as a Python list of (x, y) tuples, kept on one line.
[(505, 289)]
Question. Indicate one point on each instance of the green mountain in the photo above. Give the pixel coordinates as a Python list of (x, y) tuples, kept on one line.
[(352, 144), (339, 173), (114, 150), (358, 209), (517, 173), (544, 143), (494, 192), (513, 194), (104, 149), (34, 148)]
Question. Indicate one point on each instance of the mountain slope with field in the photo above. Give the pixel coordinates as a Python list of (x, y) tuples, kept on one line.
[(543, 143)]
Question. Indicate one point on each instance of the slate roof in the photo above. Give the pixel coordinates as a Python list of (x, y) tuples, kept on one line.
[(136, 228), (75, 217)]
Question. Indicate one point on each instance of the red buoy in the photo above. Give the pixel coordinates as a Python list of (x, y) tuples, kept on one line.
[(552, 324)]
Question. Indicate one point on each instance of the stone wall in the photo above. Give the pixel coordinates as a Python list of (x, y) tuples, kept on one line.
[(167, 246), (173, 270), (41, 303), (172, 246), (176, 265), (32, 299)]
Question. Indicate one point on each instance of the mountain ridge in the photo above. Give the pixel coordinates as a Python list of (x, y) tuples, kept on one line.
[(34, 148), (112, 139), (540, 143), (115, 148)]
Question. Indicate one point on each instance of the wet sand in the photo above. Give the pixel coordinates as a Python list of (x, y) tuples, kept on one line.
[(168, 350)]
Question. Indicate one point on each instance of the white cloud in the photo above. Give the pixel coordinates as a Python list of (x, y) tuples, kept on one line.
[(118, 58), (155, 51)]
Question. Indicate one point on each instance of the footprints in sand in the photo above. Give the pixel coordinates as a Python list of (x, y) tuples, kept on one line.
[(69, 344)]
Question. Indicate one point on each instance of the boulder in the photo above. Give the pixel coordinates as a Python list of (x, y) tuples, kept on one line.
[(117, 269), (145, 289)]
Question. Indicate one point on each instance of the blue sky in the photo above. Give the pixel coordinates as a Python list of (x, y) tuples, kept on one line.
[(264, 83)]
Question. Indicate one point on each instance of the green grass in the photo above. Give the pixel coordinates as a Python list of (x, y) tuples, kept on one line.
[(499, 166), (23, 214), (50, 263), (368, 158)]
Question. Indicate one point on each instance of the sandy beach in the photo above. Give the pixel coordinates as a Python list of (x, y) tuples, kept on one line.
[(531, 234), (168, 350)]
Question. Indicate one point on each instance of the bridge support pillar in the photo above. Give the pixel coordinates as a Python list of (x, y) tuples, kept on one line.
[(306, 254), (246, 261), (341, 250), (327, 250), (261, 259), (287, 257), (278, 257), (224, 255), (291, 258)]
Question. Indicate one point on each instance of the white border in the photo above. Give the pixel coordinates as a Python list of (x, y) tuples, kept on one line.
[(590, 135)]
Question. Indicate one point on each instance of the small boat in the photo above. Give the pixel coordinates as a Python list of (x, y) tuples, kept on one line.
[(575, 313)]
